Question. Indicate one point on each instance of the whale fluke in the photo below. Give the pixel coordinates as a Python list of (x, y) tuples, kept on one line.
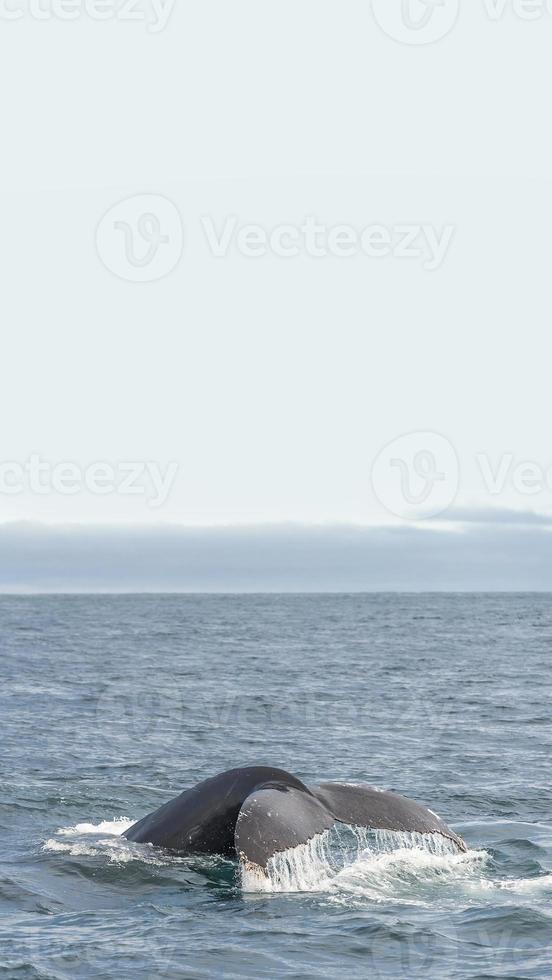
[(362, 805), (275, 818), (259, 811)]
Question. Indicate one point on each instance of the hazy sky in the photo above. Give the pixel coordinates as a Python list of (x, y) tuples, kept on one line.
[(248, 364)]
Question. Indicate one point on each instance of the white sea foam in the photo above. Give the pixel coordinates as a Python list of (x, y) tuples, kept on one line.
[(375, 864), (115, 827), (345, 862), (102, 840), (536, 885)]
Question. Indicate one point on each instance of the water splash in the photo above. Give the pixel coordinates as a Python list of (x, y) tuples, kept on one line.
[(377, 864), (345, 863), (115, 827), (102, 839)]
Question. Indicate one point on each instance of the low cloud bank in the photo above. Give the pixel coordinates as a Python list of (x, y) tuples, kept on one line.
[(507, 554)]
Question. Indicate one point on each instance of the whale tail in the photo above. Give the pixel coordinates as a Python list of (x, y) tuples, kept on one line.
[(275, 818), (258, 811)]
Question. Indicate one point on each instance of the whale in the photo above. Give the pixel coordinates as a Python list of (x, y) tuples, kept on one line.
[(255, 812)]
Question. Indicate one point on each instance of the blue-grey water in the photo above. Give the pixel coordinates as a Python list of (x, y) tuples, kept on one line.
[(111, 705)]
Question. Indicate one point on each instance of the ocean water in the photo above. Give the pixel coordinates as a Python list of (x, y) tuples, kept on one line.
[(112, 705)]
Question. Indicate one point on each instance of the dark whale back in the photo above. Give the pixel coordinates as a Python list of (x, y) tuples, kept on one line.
[(203, 819)]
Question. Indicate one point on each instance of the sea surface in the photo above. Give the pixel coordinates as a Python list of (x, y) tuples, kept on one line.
[(112, 705)]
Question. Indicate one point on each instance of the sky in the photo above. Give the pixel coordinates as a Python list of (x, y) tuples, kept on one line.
[(275, 264)]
